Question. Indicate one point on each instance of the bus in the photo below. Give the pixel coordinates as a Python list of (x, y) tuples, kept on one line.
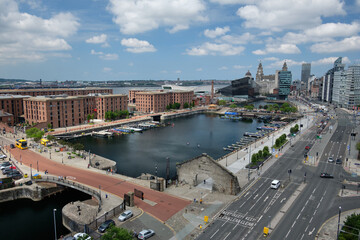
[(21, 143)]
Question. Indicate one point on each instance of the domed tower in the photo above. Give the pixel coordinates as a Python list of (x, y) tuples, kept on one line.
[(248, 74), (260, 73)]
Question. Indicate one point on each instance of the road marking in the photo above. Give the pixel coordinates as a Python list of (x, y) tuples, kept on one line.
[(311, 232), (242, 204), (306, 228), (260, 218), (302, 236), (214, 234), (293, 224), (227, 235), (282, 200), (302, 209), (266, 198), (288, 233), (311, 219), (256, 196), (298, 216), (246, 194), (318, 205), (224, 223)]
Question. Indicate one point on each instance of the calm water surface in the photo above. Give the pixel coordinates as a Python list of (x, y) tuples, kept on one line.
[(184, 139)]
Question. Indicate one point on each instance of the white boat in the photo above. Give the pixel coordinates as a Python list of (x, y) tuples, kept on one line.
[(103, 134)]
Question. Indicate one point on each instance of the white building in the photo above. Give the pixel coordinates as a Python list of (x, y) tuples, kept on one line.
[(352, 88)]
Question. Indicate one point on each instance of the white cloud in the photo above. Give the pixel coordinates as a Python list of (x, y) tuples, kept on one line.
[(225, 2), (27, 37), (280, 63), (237, 39), (323, 32), (223, 68), (137, 46), (178, 71), (215, 49), (109, 56), (270, 59), (358, 2), (329, 60), (217, 32), (93, 52), (107, 69), (278, 48), (97, 39), (199, 69), (144, 15), (345, 45), (277, 15)]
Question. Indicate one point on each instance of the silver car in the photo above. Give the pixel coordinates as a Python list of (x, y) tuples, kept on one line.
[(144, 234), (330, 160), (125, 215)]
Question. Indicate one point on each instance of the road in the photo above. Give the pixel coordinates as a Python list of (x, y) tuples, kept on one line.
[(162, 205), (300, 207)]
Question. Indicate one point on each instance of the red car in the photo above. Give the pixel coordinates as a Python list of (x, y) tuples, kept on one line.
[(307, 147)]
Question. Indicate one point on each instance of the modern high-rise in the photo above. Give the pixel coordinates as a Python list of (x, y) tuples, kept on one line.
[(285, 78), (305, 74), (328, 83), (338, 95), (352, 88)]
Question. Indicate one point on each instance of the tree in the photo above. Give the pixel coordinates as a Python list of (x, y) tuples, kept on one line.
[(350, 229), (176, 105), (186, 105), (249, 107), (50, 137), (254, 158), (260, 154), (116, 233), (222, 102), (84, 237), (168, 107), (358, 146), (49, 125), (78, 147), (88, 118), (277, 142), (233, 106), (266, 149), (34, 133)]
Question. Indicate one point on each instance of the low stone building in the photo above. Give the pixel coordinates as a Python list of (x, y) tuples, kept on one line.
[(198, 169)]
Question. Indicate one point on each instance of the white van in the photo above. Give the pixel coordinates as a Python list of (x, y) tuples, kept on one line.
[(275, 184)]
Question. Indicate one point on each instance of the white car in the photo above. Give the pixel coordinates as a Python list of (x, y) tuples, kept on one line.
[(144, 234), (78, 235), (3, 156), (125, 215)]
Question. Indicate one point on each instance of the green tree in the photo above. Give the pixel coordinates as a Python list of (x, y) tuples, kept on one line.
[(277, 142), (260, 154), (116, 233), (222, 102), (49, 125), (168, 107), (78, 147), (84, 237), (186, 105), (34, 133), (249, 107), (254, 158), (233, 106), (50, 137), (350, 230), (358, 146), (88, 117), (266, 149), (176, 105)]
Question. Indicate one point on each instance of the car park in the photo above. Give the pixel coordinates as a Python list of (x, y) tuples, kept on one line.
[(338, 161), (326, 175), (330, 160), (144, 234), (125, 215), (105, 225)]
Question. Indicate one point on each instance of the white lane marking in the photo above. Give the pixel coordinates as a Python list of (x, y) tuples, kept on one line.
[(266, 198), (293, 224), (282, 200), (311, 232), (306, 228), (311, 219), (260, 218), (256, 196), (214, 234), (224, 223), (298, 216), (227, 235)]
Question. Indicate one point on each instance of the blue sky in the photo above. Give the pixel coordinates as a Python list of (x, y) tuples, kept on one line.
[(170, 39)]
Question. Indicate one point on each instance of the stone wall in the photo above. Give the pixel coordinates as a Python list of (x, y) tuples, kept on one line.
[(195, 170)]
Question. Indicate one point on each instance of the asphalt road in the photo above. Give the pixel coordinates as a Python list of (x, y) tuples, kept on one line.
[(257, 206)]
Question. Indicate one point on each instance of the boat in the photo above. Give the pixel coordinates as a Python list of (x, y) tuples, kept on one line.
[(103, 134)]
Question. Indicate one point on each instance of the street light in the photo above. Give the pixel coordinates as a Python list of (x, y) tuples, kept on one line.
[(338, 228), (30, 171), (54, 210)]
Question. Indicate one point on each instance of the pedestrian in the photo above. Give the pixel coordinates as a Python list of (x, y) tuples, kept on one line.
[(108, 171)]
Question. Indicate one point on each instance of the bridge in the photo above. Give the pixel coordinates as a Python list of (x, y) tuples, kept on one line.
[(71, 184)]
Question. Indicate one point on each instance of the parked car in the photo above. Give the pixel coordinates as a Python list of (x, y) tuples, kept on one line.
[(78, 235), (144, 234), (6, 167), (326, 175), (69, 238), (307, 147), (125, 215), (28, 183), (105, 225), (12, 146), (3, 156), (330, 160), (338, 161)]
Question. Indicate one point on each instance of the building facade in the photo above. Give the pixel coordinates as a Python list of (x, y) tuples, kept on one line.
[(12, 104), (305, 74), (56, 91), (157, 101), (64, 111), (285, 78), (338, 96), (352, 88)]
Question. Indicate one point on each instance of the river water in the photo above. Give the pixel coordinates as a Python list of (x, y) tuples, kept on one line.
[(184, 139)]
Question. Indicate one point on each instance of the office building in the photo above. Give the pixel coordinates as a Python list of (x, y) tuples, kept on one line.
[(352, 87), (285, 78), (305, 74)]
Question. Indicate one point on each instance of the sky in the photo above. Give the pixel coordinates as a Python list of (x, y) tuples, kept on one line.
[(102, 40)]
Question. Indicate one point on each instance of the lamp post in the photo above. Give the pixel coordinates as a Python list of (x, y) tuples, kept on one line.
[(338, 228), (249, 162), (37, 165), (54, 210), (30, 171), (100, 191)]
